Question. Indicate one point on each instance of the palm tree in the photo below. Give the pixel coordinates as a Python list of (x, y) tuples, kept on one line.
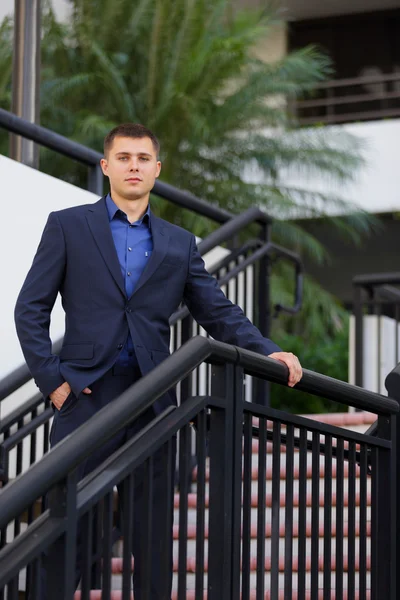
[(187, 69)]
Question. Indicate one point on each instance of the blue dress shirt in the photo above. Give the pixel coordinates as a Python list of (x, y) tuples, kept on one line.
[(134, 245)]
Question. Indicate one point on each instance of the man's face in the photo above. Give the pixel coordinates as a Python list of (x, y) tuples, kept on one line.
[(132, 167)]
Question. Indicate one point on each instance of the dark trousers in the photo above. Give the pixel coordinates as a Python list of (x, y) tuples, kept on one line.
[(74, 413)]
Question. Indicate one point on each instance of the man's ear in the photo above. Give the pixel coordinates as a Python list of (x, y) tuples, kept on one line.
[(104, 165), (158, 168)]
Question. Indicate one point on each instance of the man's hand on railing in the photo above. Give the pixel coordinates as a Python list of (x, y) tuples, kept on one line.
[(292, 363), (59, 396)]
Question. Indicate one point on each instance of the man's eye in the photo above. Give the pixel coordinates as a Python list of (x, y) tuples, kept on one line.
[(122, 158), (144, 158)]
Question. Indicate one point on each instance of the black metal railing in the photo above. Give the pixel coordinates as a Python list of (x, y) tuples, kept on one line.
[(376, 342), (364, 98), (228, 506), (62, 145)]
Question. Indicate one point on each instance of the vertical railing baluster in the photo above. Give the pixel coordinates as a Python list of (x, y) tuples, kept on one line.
[(127, 494), (351, 522), (184, 473), (315, 506), (328, 517), (374, 525), (275, 513), (107, 545), (363, 523), (62, 506), (168, 469), (201, 503), (289, 512), (379, 388), (35, 592), (147, 531), (247, 478), (97, 535), (261, 508), (302, 518), (87, 553), (339, 518)]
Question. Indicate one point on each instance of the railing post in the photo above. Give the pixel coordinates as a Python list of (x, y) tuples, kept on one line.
[(392, 384), (261, 388), (383, 514), (358, 336), (225, 489), (95, 180), (61, 556)]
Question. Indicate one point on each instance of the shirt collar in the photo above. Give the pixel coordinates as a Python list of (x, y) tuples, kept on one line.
[(112, 210)]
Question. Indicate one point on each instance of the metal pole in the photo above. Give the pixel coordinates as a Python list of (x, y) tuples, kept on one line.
[(26, 76), (261, 387), (358, 335)]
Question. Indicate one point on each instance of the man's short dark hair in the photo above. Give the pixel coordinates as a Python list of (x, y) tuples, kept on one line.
[(130, 130)]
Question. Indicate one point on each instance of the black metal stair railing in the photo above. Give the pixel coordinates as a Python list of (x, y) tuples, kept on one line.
[(359, 562), (376, 297)]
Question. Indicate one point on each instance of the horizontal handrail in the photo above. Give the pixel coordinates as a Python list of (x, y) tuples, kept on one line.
[(265, 250), (55, 465), (21, 375), (371, 279), (25, 409), (232, 227), (91, 158)]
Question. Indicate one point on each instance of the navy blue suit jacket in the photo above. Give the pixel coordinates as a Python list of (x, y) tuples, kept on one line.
[(77, 258)]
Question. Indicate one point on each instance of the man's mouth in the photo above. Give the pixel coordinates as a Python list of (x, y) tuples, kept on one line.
[(133, 179)]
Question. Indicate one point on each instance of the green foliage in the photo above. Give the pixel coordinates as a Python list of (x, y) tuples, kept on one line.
[(327, 354), (189, 71)]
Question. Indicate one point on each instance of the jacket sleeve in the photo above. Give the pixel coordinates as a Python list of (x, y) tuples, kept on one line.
[(223, 320), (35, 303)]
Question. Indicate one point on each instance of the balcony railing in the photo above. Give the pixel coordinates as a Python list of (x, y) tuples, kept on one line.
[(366, 98)]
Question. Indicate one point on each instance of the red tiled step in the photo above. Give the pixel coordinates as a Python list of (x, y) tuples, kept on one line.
[(254, 446), (296, 471), (192, 499), (96, 595), (190, 595), (191, 564), (346, 419), (343, 419), (117, 564), (191, 532)]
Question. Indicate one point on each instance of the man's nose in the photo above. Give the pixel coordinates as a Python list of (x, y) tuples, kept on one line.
[(134, 166)]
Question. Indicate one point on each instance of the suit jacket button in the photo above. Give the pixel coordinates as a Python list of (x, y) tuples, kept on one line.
[(120, 346), (128, 309)]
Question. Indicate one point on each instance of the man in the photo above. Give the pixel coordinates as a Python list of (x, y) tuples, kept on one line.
[(121, 273)]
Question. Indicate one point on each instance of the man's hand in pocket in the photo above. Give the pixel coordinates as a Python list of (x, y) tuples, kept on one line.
[(59, 396)]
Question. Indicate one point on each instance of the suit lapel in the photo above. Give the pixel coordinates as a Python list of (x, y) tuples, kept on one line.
[(160, 247), (98, 221)]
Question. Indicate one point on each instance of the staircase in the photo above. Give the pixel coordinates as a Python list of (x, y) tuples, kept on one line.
[(356, 421)]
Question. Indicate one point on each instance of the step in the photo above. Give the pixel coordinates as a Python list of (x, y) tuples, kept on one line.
[(190, 582), (192, 515), (282, 470), (117, 564), (191, 530), (192, 499), (190, 595), (271, 485)]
